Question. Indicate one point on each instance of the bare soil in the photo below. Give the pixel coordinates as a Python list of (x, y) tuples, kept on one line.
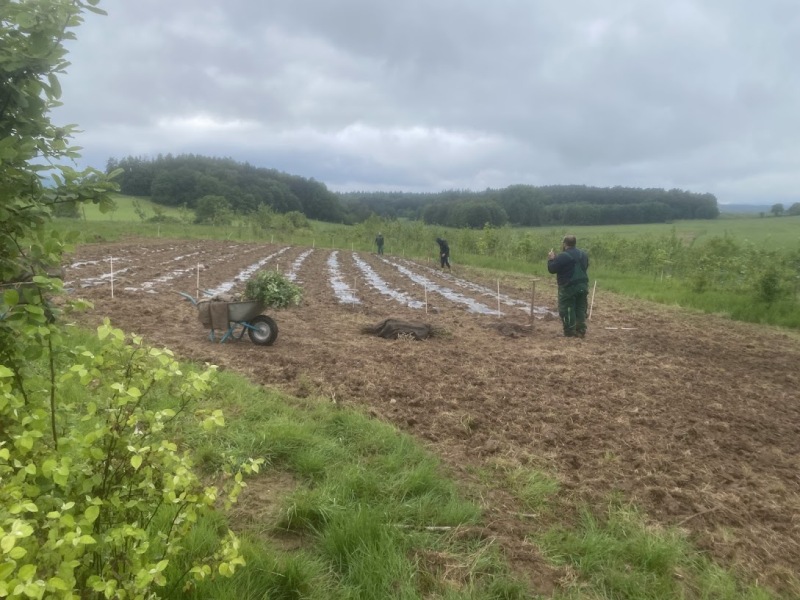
[(694, 418)]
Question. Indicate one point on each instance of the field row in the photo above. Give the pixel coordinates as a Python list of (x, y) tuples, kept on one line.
[(352, 278)]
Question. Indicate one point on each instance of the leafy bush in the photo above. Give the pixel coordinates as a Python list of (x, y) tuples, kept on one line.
[(768, 286), (272, 289), (94, 495), (95, 498), (214, 210)]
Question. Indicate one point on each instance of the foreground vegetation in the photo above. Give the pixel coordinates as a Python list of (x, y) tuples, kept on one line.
[(338, 506)]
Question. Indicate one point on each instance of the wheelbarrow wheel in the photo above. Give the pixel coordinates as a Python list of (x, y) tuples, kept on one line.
[(264, 330)]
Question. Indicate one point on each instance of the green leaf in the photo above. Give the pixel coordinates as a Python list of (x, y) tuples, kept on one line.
[(7, 543), (27, 572), (11, 297), (55, 86), (136, 461), (92, 513), (34, 590), (56, 583)]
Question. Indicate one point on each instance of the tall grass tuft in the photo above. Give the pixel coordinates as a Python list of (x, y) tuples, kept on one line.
[(621, 557)]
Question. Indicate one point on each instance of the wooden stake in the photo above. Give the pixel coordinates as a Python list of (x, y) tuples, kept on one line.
[(112, 276), (533, 299), (197, 286), (498, 297), (426, 299), (592, 303)]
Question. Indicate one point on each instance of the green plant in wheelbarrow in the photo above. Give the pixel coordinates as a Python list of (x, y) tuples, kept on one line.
[(272, 290), (266, 289)]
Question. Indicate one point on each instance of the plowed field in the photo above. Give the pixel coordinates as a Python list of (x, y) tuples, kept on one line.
[(694, 418)]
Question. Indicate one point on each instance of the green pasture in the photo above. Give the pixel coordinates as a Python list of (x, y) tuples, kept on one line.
[(125, 211), (767, 232)]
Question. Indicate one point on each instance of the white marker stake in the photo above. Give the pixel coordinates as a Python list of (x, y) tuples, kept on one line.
[(592, 304), (426, 299), (498, 297), (112, 276), (197, 285)]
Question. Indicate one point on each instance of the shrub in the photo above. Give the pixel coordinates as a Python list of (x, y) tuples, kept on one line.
[(272, 289), (95, 495)]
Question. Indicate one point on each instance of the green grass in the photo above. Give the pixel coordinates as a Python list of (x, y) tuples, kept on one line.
[(734, 305), (620, 556), (125, 210), (783, 232), (363, 496)]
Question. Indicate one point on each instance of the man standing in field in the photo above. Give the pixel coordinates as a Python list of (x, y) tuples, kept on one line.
[(444, 252), (571, 267), (379, 243)]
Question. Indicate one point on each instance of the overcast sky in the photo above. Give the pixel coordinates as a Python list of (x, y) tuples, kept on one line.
[(429, 95)]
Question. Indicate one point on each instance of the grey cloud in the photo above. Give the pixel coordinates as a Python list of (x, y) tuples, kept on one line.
[(694, 94)]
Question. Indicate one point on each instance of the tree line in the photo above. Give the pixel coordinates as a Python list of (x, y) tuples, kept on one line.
[(194, 181), (186, 179), (534, 206)]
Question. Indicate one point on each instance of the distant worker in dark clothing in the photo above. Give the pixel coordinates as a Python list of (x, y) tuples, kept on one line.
[(444, 252), (571, 267), (379, 243)]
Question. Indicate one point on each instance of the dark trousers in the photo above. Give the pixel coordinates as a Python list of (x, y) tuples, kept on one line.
[(573, 303), (445, 261)]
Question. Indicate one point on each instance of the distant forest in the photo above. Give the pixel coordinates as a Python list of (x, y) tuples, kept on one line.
[(186, 179)]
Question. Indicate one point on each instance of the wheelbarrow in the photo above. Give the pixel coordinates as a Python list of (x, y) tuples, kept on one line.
[(261, 329)]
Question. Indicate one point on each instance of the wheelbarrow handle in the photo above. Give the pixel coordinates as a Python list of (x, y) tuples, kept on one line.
[(188, 297)]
